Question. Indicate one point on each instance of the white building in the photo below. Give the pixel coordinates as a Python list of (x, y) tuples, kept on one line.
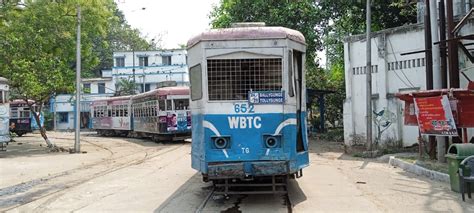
[(151, 67), (392, 73)]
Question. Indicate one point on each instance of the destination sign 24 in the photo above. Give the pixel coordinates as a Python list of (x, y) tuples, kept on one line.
[(266, 97)]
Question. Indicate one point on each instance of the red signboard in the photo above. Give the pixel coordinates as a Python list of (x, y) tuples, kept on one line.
[(435, 116)]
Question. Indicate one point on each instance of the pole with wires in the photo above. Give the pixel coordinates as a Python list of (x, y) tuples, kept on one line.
[(369, 79)]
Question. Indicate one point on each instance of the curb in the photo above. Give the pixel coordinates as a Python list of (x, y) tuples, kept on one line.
[(418, 170)]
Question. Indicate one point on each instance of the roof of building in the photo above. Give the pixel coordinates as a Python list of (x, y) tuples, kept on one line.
[(96, 79), (247, 33), (404, 28), (400, 29)]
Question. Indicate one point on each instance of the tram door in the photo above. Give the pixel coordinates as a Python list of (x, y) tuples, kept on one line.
[(297, 70)]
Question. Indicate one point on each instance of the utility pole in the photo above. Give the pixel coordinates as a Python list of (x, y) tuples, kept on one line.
[(429, 72), (437, 82), (77, 145), (369, 79), (133, 70)]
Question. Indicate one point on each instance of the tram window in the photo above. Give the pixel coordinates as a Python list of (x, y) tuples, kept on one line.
[(14, 112), (232, 79), (24, 114), (114, 111), (195, 76), (291, 92), (161, 105), (169, 105), (181, 104)]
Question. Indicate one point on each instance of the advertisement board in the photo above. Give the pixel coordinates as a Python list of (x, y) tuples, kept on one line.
[(435, 116)]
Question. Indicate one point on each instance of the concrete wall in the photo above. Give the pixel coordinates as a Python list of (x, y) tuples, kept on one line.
[(393, 73)]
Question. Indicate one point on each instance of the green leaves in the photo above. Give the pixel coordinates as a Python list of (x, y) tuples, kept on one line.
[(38, 44)]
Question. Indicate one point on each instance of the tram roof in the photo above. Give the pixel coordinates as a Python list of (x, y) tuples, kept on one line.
[(3, 80), (247, 33), (165, 91), (116, 98)]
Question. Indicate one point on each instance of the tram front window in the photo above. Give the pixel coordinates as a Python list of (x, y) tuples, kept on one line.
[(232, 79)]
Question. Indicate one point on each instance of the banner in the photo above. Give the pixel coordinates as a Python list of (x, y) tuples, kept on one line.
[(435, 116)]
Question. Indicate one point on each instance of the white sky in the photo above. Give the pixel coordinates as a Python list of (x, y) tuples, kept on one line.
[(177, 20)]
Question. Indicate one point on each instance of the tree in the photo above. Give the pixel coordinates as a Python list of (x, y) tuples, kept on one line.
[(125, 87), (300, 15), (38, 47)]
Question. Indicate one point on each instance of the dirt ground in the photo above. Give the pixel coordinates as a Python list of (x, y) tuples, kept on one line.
[(132, 175)]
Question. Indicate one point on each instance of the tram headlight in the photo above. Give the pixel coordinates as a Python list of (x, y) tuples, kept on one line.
[(272, 141), (221, 142)]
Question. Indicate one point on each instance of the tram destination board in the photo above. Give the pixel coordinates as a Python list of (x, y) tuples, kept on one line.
[(266, 97)]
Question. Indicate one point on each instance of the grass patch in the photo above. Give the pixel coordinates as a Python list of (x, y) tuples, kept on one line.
[(426, 163)]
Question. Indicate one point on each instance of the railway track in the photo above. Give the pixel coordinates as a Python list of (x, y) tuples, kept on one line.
[(58, 184), (240, 201)]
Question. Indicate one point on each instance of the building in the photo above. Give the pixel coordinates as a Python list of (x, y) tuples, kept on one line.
[(151, 68), (62, 105), (391, 73)]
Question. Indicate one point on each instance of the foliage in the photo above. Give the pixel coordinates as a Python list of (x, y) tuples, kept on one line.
[(125, 87), (120, 36), (38, 46), (336, 135), (300, 15)]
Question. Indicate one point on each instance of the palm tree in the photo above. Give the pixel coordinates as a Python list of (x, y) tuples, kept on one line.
[(125, 87)]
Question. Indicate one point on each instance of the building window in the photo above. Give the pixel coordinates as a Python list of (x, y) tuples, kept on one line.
[(409, 63), (166, 60), (353, 71), (413, 62), (147, 87), (404, 64), (101, 88), (423, 62), (365, 69), (418, 62), (388, 66), (63, 117), (86, 88), (143, 61), (120, 62)]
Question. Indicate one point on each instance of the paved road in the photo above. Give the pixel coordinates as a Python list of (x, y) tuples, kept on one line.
[(130, 175)]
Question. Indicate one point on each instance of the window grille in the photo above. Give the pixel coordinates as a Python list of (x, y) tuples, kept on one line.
[(232, 79)]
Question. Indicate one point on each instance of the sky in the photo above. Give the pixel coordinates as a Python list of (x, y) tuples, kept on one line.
[(176, 20)]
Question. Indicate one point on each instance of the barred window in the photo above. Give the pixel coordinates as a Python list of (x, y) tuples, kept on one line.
[(232, 79)]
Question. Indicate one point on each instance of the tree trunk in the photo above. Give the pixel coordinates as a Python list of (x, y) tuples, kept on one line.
[(41, 127)]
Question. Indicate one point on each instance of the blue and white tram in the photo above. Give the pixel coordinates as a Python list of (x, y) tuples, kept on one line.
[(248, 104), (4, 114)]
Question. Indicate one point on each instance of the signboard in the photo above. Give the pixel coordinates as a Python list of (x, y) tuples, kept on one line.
[(266, 97), (435, 116)]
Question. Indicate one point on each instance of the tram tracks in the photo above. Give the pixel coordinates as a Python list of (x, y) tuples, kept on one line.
[(240, 201), (56, 185)]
